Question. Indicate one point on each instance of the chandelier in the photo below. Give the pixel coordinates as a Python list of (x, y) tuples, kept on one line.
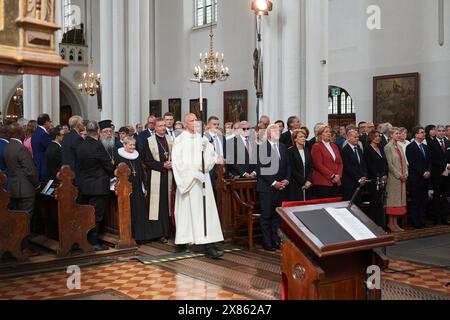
[(18, 97), (211, 67), (91, 82)]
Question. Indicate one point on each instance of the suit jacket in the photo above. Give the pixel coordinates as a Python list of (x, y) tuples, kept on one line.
[(377, 166), (40, 142), (418, 163), (286, 139), (118, 144), (142, 140), (325, 167), (300, 173), (3, 166), (353, 170), (69, 146), (311, 142), (95, 168), (271, 168), (384, 142), (438, 157), (23, 172), (53, 158), (239, 161)]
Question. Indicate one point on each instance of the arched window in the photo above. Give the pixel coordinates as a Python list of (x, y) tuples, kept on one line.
[(71, 55), (80, 55), (63, 54), (350, 107), (335, 105), (330, 106), (205, 12), (343, 103), (69, 16)]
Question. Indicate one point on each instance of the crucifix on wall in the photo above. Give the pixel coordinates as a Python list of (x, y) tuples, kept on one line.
[(441, 22)]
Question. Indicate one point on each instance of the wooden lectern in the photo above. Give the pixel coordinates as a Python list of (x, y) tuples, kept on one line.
[(329, 251)]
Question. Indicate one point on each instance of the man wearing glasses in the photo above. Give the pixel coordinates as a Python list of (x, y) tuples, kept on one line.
[(242, 154)]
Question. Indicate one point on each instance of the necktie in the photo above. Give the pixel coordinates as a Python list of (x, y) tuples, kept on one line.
[(443, 145), (423, 150), (356, 154), (247, 145), (217, 145)]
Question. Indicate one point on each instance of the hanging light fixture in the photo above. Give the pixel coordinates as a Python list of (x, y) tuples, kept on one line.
[(212, 65), (91, 82), (262, 7)]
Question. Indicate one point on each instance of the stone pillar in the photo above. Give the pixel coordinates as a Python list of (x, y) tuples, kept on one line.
[(134, 60), (314, 50), (32, 96), (106, 41), (118, 62), (140, 113)]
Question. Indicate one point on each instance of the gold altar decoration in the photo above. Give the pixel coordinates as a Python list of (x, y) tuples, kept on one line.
[(28, 38)]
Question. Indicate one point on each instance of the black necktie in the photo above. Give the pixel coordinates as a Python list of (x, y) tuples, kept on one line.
[(356, 154)]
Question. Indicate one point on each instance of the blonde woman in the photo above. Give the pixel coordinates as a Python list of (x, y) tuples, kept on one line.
[(396, 184)]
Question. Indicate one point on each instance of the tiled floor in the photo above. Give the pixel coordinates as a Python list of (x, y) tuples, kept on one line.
[(132, 279), (418, 275)]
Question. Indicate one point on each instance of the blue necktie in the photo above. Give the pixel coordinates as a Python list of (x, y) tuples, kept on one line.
[(423, 151)]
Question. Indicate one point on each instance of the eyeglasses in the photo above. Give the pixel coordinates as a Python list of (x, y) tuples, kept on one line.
[(245, 129)]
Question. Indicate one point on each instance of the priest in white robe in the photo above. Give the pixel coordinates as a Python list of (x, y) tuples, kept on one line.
[(187, 170)]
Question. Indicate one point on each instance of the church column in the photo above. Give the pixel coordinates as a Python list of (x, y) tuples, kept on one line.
[(134, 60), (32, 97), (47, 97), (140, 113), (106, 40), (56, 105), (314, 69), (291, 60), (118, 61)]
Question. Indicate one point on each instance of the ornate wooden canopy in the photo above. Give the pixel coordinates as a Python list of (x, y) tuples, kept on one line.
[(28, 38)]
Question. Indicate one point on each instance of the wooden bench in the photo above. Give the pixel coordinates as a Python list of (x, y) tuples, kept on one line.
[(245, 208), (117, 220), (63, 222), (14, 226)]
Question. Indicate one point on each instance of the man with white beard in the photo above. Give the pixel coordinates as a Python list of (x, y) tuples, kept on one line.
[(187, 170), (108, 141)]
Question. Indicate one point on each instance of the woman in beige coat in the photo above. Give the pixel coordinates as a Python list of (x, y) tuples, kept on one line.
[(396, 184)]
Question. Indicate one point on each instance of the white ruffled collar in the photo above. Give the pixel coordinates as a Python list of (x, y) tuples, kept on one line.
[(127, 155)]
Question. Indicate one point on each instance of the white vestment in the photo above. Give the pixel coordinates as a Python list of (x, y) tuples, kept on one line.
[(186, 163)]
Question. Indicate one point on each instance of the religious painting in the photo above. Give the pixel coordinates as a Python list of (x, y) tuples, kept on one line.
[(156, 108), (175, 108), (396, 100), (194, 107), (235, 106)]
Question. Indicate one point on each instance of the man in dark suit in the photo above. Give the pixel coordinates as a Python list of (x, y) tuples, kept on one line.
[(242, 154), (139, 129), (418, 176), (169, 119), (293, 123), (313, 141), (71, 142), (215, 137), (3, 143), (23, 172), (274, 174), (123, 133), (96, 170), (149, 132), (53, 154), (40, 142), (438, 149), (355, 169)]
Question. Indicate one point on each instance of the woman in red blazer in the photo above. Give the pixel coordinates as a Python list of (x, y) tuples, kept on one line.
[(328, 166)]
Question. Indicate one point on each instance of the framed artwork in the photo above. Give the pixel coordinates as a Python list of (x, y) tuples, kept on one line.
[(175, 108), (156, 108), (396, 100), (235, 106), (194, 107)]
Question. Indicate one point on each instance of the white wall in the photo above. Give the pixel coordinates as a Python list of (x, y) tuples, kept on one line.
[(407, 42), (178, 48)]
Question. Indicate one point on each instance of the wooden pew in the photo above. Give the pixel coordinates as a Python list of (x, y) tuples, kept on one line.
[(14, 226), (61, 222), (117, 220)]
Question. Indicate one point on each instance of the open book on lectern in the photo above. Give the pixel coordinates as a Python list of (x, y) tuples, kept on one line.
[(335, 225)]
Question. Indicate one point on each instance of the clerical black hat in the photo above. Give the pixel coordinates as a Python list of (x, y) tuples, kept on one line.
[(105, 124)]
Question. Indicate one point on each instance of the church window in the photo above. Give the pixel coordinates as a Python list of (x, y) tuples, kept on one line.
[(205, 12)]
